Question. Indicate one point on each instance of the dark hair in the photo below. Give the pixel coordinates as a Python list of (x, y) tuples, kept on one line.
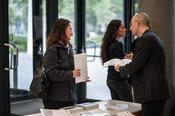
[(57, 33), (109, 36)]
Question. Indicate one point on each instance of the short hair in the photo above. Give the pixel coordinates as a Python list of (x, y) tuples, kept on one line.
[(143, 18)]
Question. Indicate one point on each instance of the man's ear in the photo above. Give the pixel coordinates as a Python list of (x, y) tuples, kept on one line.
[(138, 23)]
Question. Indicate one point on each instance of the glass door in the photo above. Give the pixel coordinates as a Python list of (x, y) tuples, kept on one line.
[(26, 28), (66, 10), (98, 15), (20, 35)]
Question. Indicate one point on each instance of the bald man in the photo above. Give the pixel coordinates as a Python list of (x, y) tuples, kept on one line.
[(148, 66)]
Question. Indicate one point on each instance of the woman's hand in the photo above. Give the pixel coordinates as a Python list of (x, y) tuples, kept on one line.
[(76, 73), (129, 56)]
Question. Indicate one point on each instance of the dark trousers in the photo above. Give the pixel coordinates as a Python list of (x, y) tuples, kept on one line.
[(56, 105), (154, 108), (120, 90)]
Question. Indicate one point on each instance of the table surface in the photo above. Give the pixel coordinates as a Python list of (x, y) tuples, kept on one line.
[(134, 108)]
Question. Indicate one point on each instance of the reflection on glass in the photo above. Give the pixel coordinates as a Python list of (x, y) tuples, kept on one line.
[(136, 6), (98, 14), (20, 31), (66, 10)]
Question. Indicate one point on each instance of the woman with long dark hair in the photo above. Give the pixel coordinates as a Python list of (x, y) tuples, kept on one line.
[(112, 48), (59, 65)]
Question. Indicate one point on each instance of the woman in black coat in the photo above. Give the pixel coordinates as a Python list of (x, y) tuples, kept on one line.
[(112, 48), (59, 65)]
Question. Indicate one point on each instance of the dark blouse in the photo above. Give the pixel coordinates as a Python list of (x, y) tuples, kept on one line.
[(115, 50)]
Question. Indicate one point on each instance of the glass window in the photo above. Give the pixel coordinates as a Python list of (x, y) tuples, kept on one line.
[(98, 14), (20, 34), (66, 10), (136, 5)]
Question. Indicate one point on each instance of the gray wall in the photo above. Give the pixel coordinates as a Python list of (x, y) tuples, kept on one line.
[(162, 15)]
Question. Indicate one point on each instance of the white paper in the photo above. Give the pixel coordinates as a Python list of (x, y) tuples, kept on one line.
[(116, 61), (80, 61), (88, 106), (73, 109), (88, 113), (116, 106), (49, 112), (111, 106), (125, 113)]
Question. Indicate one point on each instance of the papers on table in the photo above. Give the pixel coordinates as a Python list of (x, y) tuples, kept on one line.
[(81, 107), (111, 108), (88, 106), (124, 113), (71, 110), (116, 106), (116, 61), (80, 62), (49, 112), (97, 112)]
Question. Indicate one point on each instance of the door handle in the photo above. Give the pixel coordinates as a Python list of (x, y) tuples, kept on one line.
[(12, 46), (16, 63)]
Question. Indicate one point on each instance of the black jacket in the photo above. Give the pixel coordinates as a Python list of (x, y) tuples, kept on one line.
[(59, 67), (148, 67), (115, 50)]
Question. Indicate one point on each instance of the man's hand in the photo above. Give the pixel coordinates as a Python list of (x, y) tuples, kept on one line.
[(117, 68)]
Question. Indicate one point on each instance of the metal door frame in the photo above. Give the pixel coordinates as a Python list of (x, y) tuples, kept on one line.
[(4, 61)]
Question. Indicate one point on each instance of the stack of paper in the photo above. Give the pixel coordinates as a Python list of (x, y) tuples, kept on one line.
[(80, 62), (49, 112), (125, 113), (75, 110), (96, 114), (116, 61), (88, 106), (116, 106)]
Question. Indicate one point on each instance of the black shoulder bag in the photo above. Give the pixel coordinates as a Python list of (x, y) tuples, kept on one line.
[(40, 83)]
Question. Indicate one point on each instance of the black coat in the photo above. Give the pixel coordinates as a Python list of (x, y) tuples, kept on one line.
[(148, 67), (59, 67)]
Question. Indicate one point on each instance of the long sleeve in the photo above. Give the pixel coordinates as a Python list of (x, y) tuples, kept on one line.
[(57, 70), (115, 50), (141, 55)]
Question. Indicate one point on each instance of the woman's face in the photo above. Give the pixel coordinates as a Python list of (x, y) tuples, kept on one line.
[(69, 31), (122, 30)]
